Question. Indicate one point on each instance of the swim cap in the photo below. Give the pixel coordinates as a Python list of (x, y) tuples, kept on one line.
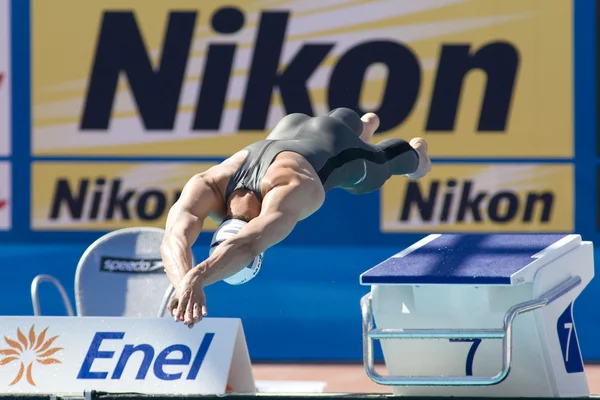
[(226, 230)]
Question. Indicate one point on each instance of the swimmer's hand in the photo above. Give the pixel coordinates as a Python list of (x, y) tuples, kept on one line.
[(191, 306)]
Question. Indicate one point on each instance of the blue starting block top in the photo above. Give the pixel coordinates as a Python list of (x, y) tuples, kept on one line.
[(461, 259)]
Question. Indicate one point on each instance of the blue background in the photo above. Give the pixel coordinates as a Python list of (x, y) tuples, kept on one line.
[(308, 289)]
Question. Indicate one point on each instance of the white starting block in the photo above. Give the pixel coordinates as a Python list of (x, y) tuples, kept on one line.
[(71, 356), (479, 315)]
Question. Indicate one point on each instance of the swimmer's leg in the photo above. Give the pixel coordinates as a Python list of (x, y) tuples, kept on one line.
[(288, 126), (390, 157), (349, 117), (364, 127)]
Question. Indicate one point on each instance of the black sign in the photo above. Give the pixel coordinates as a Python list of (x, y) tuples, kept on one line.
[(131, 265)]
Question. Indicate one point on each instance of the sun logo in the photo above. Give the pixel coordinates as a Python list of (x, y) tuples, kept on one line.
[(27, 351)]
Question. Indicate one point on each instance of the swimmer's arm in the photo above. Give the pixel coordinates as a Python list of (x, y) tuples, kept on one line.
[(184, 224), (276, 221)]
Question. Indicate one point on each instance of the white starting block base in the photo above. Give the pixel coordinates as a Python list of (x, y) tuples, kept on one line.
[(69, 356), (431, 300)]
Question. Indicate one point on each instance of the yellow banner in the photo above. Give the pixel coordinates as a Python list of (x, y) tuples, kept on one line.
[(75, 196), (130, 77), (482, 198)]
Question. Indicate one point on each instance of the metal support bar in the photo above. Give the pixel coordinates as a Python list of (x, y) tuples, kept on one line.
[(438, 334), (165, 301), (505, 333), (63, 293)]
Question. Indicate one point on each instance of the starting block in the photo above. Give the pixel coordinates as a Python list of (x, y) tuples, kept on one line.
[(479, 315)]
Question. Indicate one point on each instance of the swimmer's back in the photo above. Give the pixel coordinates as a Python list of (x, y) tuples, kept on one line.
[(324, 142)]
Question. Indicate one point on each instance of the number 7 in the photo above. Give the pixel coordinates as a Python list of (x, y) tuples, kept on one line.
[(471, 354), (569, 326)]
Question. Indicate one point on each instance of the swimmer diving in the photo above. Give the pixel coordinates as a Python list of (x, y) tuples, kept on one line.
[(261, 192)]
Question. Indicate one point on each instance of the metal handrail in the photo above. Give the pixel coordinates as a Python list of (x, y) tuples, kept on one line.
[(165, 301), (505, 333), (36, 301)]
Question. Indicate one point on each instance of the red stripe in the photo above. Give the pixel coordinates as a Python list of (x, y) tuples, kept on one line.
[(2, 204)]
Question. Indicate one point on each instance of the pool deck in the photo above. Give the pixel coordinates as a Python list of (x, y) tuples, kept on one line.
[(351, 378)]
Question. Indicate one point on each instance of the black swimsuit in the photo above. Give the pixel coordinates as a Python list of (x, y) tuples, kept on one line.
[(332, 145)]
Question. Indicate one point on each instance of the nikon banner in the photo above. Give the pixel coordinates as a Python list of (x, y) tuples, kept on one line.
[(179, 78), (482, 198), (103, 196)]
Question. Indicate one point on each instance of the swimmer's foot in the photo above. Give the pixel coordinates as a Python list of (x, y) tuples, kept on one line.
[(420, 145), (370, 124)]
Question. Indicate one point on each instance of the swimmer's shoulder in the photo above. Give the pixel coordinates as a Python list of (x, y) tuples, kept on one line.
[(293, 170), (218, 175)]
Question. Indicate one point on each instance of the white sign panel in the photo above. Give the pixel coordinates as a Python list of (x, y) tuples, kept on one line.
[(65, 355), (5, 196), (5, 96)]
